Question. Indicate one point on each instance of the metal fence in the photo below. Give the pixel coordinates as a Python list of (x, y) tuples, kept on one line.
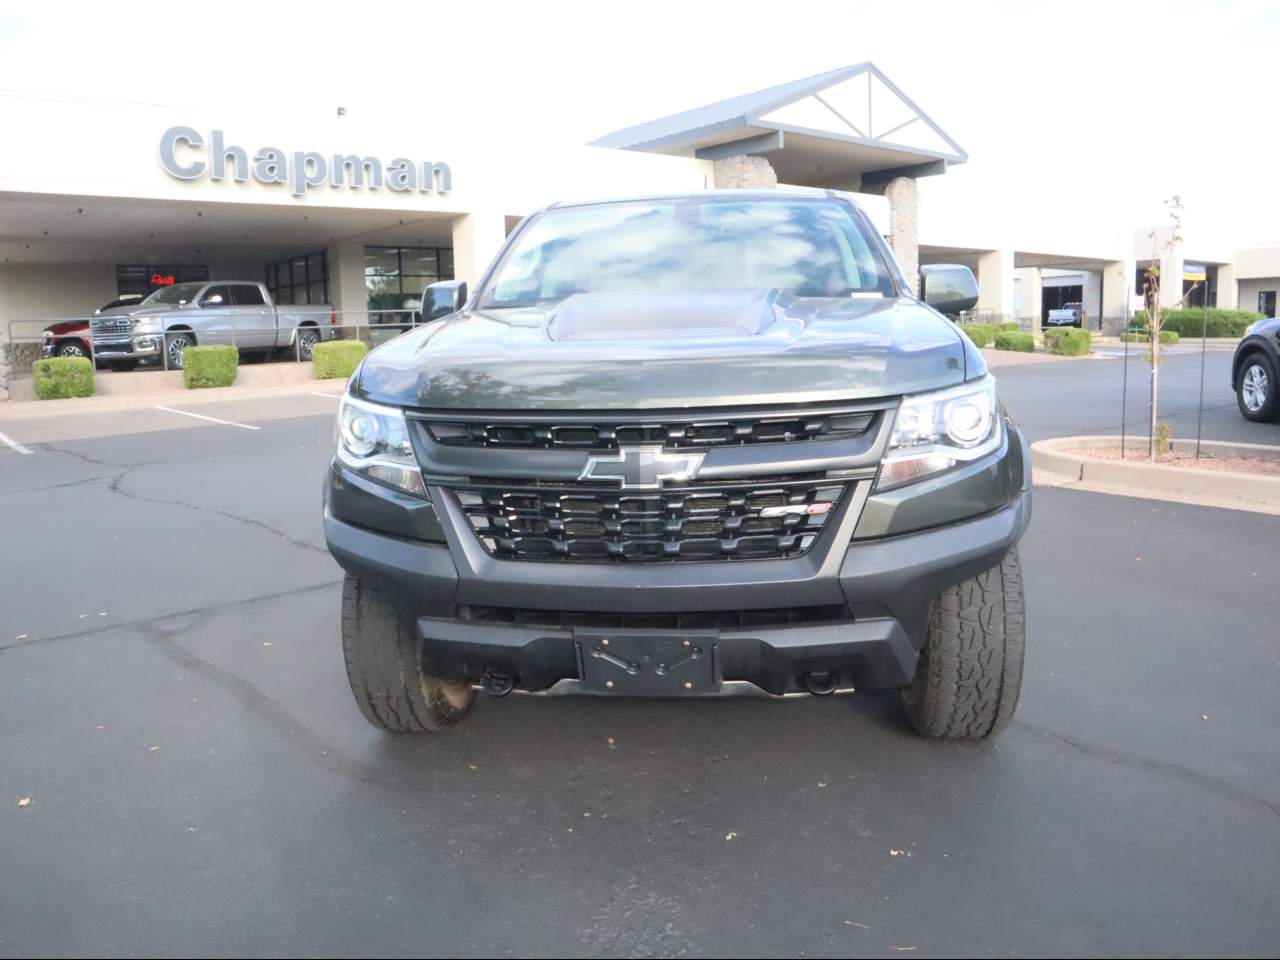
[(287, 343)]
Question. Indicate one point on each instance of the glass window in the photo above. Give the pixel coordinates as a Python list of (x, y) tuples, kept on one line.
[(179, 293), (396, 276), (381, 261), (247, 295), (299, 280), (814, 248), (221, 291)]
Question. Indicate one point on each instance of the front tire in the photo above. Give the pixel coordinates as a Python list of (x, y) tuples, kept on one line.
[(71, 348), (1257, 389), (385, 670), (175, 343), (970, 670)]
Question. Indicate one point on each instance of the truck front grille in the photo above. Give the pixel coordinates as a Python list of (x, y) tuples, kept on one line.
[(673, 431), (748, 520), (109, 325)]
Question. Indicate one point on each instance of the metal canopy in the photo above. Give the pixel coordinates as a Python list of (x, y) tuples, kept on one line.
[(847, 128)]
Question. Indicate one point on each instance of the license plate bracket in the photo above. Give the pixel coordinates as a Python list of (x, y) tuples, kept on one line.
[(648, 664)]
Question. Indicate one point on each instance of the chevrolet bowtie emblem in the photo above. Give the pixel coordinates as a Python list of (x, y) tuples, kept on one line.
[(643, 467)]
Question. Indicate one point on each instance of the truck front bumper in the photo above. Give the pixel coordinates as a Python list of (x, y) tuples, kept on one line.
[(137, 347), (857, 611)]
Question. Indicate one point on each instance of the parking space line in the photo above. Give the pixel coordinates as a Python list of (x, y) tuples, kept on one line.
[(13, 444), (331, 396), (201, 416)]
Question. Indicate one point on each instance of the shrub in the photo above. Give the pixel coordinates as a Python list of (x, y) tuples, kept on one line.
[(211, 366), (1166, 336), (1068, 341), (1008, 327), (60, 377), (336, 358), (1013, 340), (980, 333), (1191, 321)]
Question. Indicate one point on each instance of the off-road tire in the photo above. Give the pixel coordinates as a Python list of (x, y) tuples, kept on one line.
[(970, 670), (381, 649)]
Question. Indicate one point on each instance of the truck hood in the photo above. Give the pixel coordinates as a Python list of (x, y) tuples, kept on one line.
[(670, 351)]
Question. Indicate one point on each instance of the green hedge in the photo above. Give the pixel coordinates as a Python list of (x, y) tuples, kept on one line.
[(1013, 340), (1008, 327), (1166, 336), (60, 377), (211, 366), (1190, 322), (1068, 341), (337, 358), (980, 333)]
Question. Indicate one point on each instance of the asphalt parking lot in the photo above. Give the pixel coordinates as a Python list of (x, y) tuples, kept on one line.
[(173, 703)]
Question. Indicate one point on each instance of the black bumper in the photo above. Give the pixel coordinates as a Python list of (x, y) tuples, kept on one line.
[(863, 604)]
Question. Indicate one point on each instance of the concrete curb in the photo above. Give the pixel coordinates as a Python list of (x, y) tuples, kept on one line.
[(34, 409), (1054, 466)]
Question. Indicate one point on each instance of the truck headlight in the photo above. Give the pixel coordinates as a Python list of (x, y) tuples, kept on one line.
[(373, 440), (936, 431)]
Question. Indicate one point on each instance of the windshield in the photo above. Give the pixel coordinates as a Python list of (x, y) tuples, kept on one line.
[(812, 247), (179, 293)]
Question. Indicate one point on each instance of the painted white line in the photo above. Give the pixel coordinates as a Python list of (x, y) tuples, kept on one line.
[(331, 396), (13, 444), (201, 416)]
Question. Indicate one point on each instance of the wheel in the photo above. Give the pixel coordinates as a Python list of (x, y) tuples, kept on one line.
[(174, 344), (384, 669), (970, 670), (1256, 389), (308, 337), (71, 348)]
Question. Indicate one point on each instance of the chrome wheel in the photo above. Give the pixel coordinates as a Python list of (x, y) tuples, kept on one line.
[(1254, 388), (176, 344), (307, 339), (71, 350)]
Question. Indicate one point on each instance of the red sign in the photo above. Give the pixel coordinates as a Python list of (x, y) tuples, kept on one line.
[(161, 280)]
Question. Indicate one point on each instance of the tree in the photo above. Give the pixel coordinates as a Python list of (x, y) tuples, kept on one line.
[(1155, 313)]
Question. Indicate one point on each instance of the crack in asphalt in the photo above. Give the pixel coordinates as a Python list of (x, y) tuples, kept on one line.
[(294, 730), (53, 486), (142, 622), (1222, 788), (117, 486)]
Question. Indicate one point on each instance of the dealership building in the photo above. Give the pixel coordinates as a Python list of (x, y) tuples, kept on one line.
[(101, 199)]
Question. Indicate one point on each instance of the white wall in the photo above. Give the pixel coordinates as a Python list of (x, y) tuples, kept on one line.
[(34, 294), (1249, 290)]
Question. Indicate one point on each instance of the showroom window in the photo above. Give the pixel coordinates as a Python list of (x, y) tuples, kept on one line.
[(146, 279), (301, 279), (396, 276)]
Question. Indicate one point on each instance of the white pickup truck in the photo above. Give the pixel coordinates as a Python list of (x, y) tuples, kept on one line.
[(235, 312), (1068, 315)]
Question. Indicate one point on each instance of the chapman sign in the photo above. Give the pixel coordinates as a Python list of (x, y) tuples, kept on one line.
[(186, 155)]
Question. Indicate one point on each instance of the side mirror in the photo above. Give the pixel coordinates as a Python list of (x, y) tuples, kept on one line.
[(212, 300), (949, 288), (443, 298)]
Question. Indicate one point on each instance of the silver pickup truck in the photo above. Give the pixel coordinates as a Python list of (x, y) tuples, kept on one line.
[(235, 312)]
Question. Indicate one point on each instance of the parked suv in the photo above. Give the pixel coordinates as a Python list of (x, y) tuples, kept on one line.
[(1255, 371), (673, 443)]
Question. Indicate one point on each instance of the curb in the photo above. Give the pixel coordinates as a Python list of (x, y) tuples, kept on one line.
[(1140, 478)]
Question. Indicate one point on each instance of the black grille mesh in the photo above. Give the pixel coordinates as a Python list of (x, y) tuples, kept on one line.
[(606, 435), (741, 521)]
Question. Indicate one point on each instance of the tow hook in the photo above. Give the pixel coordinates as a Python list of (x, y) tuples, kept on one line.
[(497, 684), (821, 682)]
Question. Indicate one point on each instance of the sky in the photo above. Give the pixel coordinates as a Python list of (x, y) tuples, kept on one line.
[(1080, 119)]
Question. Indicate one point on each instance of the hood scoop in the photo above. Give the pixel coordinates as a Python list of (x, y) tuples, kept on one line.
[(704, 314)]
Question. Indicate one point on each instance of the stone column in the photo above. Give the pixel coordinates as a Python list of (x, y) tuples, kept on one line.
[(1031, 299), (745, 172), (477, 238), (347, 291), (904, 227), (995, 283), (1228, 292), (5, 366)]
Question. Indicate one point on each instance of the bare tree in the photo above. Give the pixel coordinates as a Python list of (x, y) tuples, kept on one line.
[(1155, 313)]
